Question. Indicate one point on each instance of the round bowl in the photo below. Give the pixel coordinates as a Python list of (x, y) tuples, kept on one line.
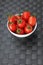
[(25, 35)]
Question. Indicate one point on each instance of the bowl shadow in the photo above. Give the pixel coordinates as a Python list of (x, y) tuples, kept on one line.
[(30, 41)]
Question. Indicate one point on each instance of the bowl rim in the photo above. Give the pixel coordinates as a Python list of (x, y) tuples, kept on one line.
[(22, 36)]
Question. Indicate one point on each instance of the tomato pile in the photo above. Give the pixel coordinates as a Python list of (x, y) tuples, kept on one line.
[(22, 24)]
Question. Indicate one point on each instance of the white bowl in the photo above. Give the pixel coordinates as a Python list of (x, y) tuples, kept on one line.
[(22, 36)]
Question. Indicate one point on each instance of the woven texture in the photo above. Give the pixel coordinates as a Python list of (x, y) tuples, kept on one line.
[(26, 51)]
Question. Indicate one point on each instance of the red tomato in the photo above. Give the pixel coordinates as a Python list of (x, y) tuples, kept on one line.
[(26, 15), (18, 17), (28, 29), (21, 23), (19, 31), (22, 17), (12, 19), (32, 20), (12, 27)]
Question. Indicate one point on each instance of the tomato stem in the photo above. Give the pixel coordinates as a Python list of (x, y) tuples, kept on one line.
[(18, 31), (10, 22), (28, 27), (19, 21)]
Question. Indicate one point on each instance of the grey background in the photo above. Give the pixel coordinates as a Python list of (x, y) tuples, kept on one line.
[(15, 51)]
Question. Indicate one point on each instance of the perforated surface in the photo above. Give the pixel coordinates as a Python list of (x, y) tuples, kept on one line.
[(15, 51)]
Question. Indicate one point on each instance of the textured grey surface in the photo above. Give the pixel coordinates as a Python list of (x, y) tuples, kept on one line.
[(15, 51)]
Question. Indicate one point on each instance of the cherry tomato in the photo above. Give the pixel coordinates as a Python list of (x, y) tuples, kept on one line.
[(12, 27), (32, 20), (18, 17), (12, 19), (22, 17), (21, 23), (26, 15), (19, 31), (28, 29)]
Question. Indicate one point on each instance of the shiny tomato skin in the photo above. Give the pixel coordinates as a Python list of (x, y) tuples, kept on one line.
[(18, 17), (26, 15), (12, 19), (32, 20), (28, 29), (21, 23), (12, 27)]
